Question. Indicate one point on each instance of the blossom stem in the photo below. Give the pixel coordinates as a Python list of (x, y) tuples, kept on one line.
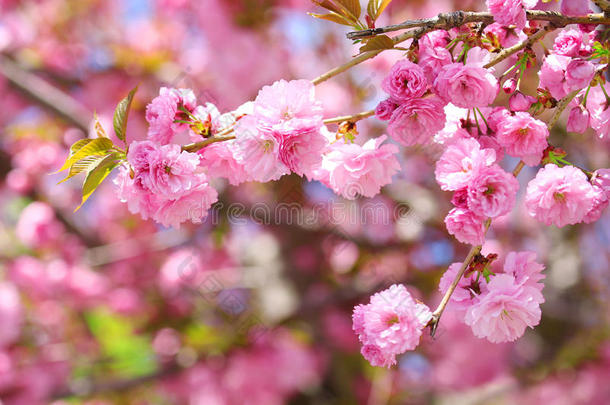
[(482, 117), (194, 147), (605, 93), (522, 45), (563, 104), (450, 20), (351, 118), (474, 250)]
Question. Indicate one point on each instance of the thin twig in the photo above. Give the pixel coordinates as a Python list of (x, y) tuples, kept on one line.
[(531, 40), (474, 250), (458, 18), (351, 118), (364, 57)]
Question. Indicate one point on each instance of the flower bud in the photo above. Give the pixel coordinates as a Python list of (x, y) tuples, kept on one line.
[(520, 102), (578, 120), (509, 86)]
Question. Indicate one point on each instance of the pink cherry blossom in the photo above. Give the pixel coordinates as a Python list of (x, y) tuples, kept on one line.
[(552, 75), (257, 150), (191, 206), (461, 162), (384, 109), (288, 105), (351, 170), (170, 172), (164, 110), (492, 192), (524, 268), (405, 81), (599, 108), (466, 86), (575, 7), (467, 291), (219, 161), (505, 310), (579, 74), (559, 195), (523, 136), (416, 121), (510, 12), (390, 324), (600, 202), (432, 60), (578, 120), (301, 150), (521, 102), (164, 183), (466, 226), (568, 43)]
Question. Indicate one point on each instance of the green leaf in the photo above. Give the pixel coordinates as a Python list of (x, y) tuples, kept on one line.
[(83, 165), (96, 175), (129, 354), (376, 7), (121, 114), (330, 6), (352, 6), (336, 18), (377, 43), (86, 147)]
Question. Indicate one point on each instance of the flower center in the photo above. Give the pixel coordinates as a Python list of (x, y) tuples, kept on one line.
[(559, 197), (490, 190), (392, 320), (168, 169), (523, 131), (267, 146)]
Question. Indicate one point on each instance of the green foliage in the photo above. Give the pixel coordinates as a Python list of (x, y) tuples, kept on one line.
[(345, 12), (97, 173), (376, 7), (121, 114), (599, 51), (377, 43), (97, 157), (128, 354)]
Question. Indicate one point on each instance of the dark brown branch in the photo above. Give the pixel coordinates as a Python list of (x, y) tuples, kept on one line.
[(458, 18), (45, 94)]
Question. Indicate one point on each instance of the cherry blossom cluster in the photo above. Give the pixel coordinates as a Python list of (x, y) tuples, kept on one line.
[(280, 132), (443, 95)]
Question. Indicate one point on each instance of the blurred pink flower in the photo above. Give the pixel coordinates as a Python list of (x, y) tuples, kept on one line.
[(37, 225)]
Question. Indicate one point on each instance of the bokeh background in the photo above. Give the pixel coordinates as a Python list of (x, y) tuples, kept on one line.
[(254, 306)]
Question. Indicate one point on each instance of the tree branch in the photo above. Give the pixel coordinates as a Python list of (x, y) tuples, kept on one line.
[(45, 94), (474, 250), (458, 18)]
